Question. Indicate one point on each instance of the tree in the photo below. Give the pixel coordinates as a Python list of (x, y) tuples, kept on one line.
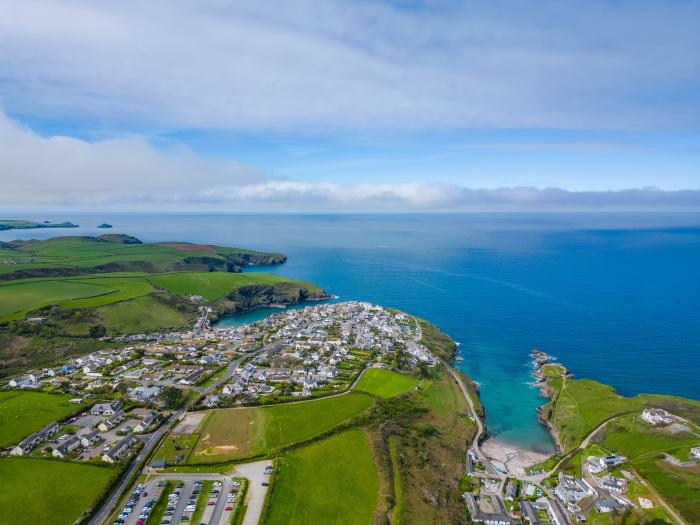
[(172, 397), (97, 331)]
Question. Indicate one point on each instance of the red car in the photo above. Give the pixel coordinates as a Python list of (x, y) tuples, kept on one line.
[(228, 508), (211, 502), (140, 522)]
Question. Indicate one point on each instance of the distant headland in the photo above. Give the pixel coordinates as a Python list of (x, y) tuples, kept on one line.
[(30, 225)]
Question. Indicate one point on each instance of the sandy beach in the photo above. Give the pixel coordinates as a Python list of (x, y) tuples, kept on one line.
[(510, 457)]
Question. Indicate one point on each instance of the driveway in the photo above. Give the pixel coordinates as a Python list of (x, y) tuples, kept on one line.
[(255, 473)]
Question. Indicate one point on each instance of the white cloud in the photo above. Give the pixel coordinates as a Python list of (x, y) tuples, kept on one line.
[(129, 173), (334, 64)]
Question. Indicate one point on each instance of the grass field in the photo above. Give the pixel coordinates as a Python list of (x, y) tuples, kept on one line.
[(22, 413), (644, 445), (331, 482), (385, 383), (215, 285), (237, 433), (49, 492), (176, 445), (19, 296), (90, 252)]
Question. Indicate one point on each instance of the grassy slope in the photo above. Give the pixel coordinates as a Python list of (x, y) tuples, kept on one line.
[(644, 446), (385, 383), (331, 482), (236, 433), (22, 413), (215, 285), (48, 492)]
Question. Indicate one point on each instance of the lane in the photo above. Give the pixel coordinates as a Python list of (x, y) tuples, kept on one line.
[(255, 474)]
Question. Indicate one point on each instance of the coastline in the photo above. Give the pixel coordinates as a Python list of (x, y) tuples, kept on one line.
[(511, 458)]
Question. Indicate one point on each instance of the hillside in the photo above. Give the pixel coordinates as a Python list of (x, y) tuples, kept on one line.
[(58, 296), (71, 256)]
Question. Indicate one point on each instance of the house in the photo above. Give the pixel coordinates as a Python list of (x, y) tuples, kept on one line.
[(604, 505), (511, 491), (211, 400), (89, 439), (112, 422), (119, 450), (145, 422), (69, 445), (143, 393), (106, 409), (490, 518), (528, 513), (598, 464), (613, 484), (656, 416), (571, 490), (31, 441), (695, 452)]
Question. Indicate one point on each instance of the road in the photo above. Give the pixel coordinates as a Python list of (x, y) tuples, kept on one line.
[(103, 513), (255, 474)]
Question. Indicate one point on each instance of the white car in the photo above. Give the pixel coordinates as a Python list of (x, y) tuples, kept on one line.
[(190, 508)]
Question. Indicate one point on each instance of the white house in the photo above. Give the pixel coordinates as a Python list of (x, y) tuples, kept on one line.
[(656, 416), (695, 452)]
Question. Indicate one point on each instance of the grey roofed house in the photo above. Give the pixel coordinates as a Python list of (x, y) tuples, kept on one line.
[(606, 505), (27, 444), (106, 409), (68, 446), (90, 438), (528, 512), (498, 518), (119, 450), (158, 463)]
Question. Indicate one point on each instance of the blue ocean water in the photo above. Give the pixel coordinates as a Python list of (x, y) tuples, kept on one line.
[(616, 297)]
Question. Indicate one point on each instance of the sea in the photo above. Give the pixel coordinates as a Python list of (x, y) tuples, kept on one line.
[(613, 296)]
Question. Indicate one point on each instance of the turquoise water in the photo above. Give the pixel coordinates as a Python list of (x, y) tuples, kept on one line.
[(615, 296)]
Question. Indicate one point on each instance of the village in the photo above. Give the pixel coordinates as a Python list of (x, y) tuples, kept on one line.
[(123, 394)]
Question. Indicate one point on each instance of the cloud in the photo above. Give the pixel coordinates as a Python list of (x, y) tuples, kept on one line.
[(131, 174), (347, 65)]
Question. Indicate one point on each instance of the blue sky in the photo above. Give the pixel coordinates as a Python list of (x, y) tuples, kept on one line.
[(330, 104)]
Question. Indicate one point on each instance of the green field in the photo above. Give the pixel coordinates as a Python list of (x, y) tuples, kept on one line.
[(385, 383), (114, 252), (236, 433), (331, 482), (22, 413), (49, 492), (18, 297), (215, 285), (176, 445), (644, 445)]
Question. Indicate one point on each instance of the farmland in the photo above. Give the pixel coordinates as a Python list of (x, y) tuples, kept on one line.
[(65, 256), (22, 413), (645, 445), (333, 481), (236, 433), (385, 383), (213, 285), (47, 491)]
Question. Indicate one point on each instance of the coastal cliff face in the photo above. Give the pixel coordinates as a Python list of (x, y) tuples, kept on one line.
[(253, 296)]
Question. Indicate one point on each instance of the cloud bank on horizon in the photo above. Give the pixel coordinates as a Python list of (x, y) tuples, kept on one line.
[(102, 83)]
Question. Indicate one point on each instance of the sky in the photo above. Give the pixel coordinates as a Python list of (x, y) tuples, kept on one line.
[(308, 105)]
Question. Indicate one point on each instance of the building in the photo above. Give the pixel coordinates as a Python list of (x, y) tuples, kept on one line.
[(89, 439), (106, 409), (31, 441), (69, 445), (495, 518), (572, 490), (528, 513), (145, 422), (604, 505), (613, 484), (656, 416), (598, 464), (120, 450), (695, 452)]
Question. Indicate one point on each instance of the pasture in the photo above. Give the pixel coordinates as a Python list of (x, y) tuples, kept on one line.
[(22, 413), (385, 383), (215, 285), (47, 491), (333, 482), (236, 433)]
